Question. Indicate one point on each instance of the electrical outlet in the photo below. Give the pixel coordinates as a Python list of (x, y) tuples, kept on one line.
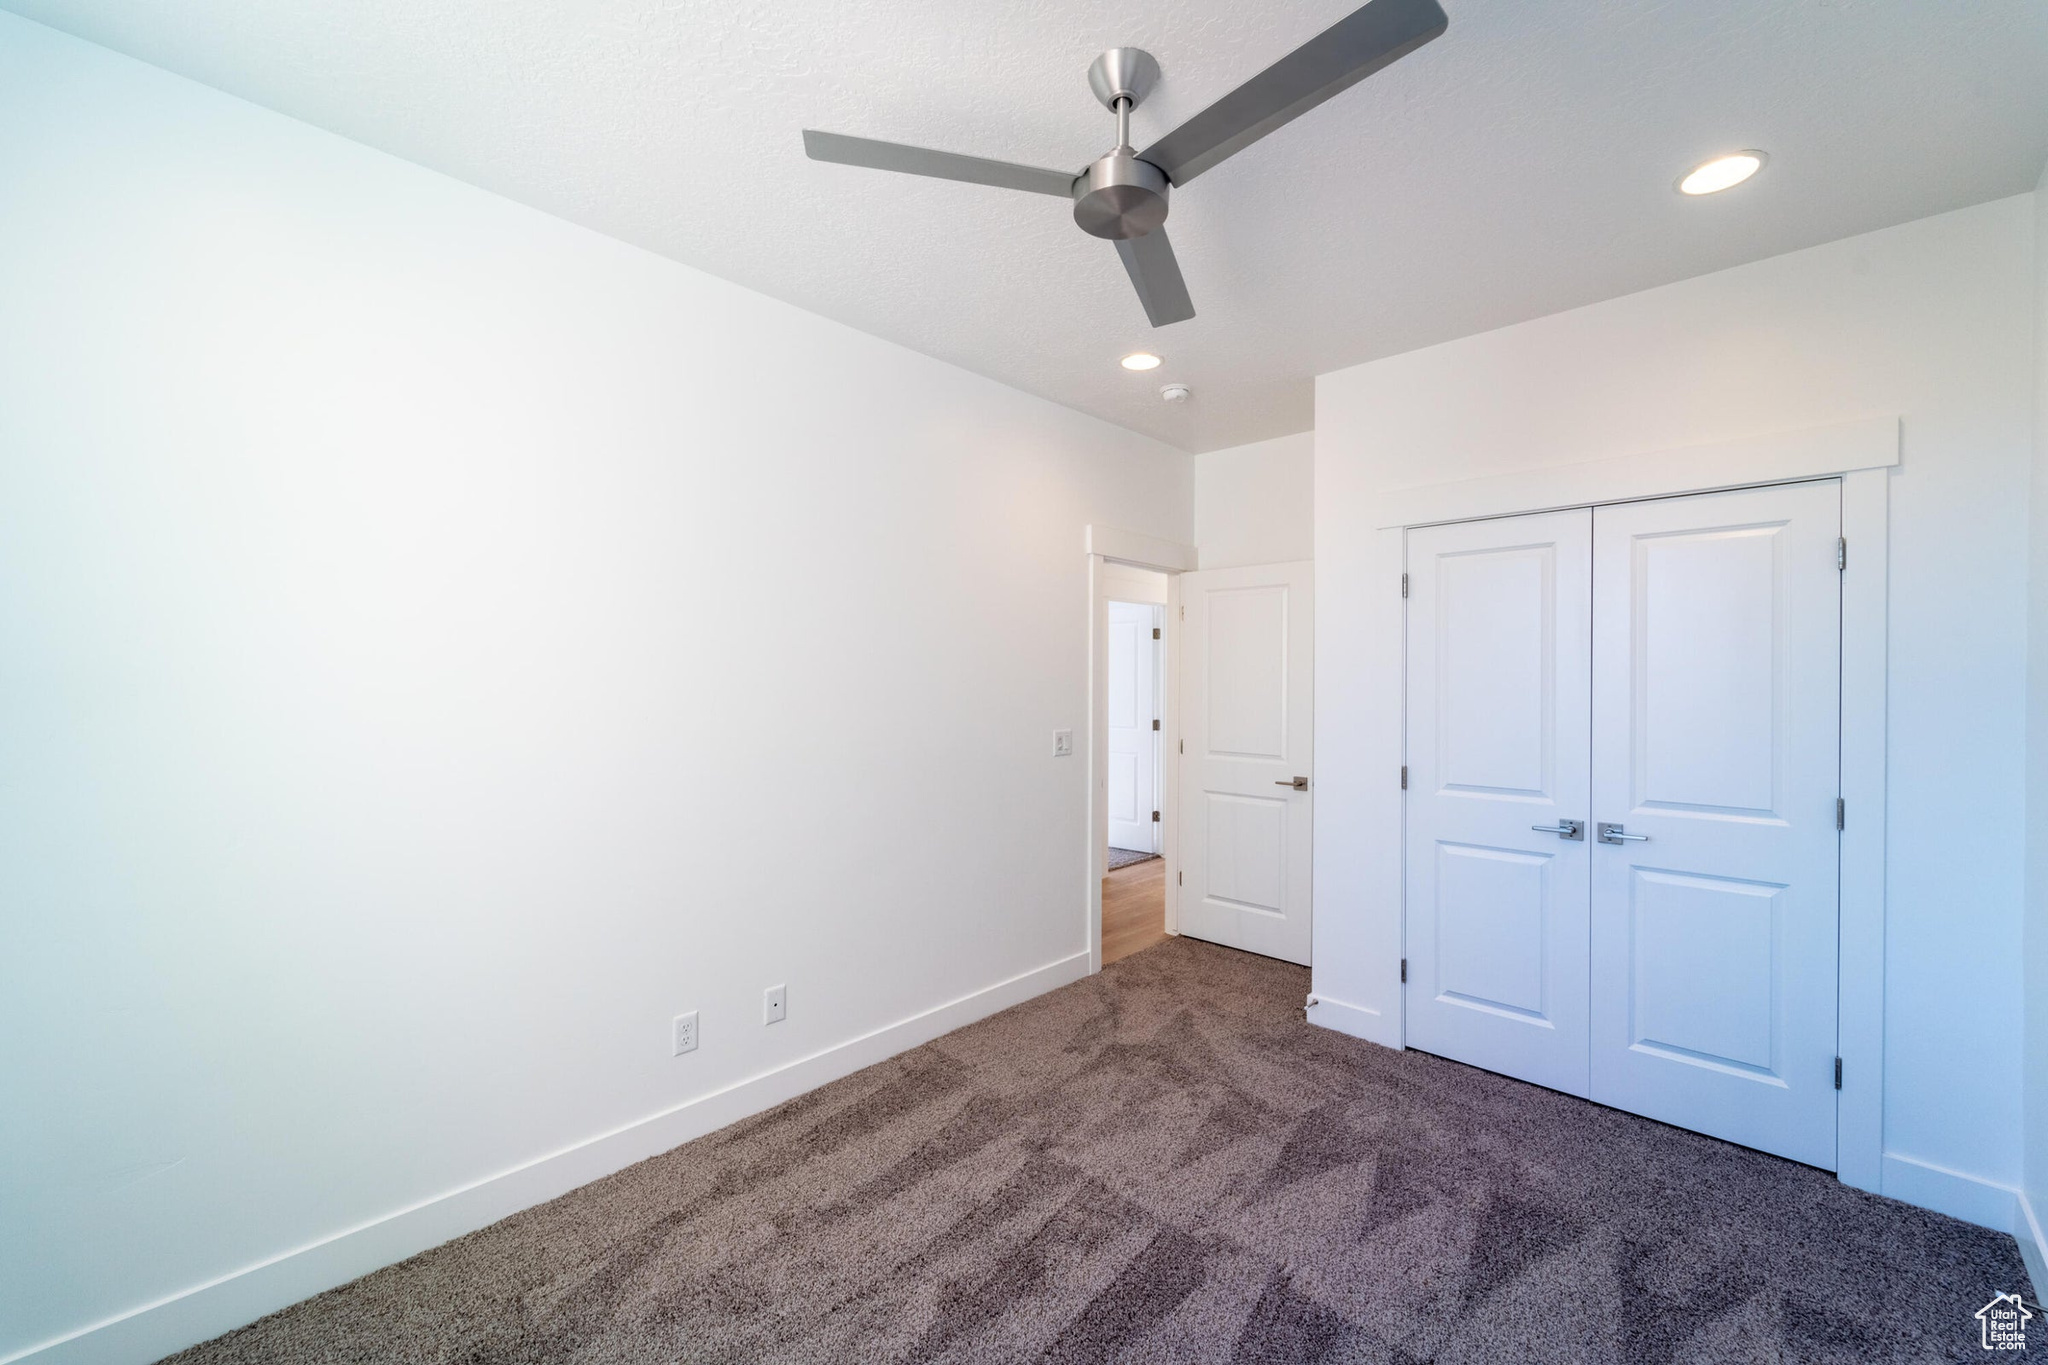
[(775, 1004), (1063, 744), (684, 1034)]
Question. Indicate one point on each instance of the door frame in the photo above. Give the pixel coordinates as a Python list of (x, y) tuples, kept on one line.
[(1106, 547), (1861, 454)]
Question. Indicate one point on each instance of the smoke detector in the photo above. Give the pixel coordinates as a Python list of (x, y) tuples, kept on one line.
[(1175, 393)]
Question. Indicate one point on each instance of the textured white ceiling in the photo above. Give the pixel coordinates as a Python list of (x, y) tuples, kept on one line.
[(1520, 164)]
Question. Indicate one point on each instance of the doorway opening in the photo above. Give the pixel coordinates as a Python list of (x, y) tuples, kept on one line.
[(1133, 603), (1232, 697)]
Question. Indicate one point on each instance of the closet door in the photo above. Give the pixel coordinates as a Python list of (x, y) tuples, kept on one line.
[(1496, 903), (1716, 686)]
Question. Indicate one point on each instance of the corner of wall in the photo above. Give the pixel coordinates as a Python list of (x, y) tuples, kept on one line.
[(1255, 504), (2033, 1193), (2026, 1230)]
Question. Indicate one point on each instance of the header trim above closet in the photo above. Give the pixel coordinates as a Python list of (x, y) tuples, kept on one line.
[(1778, 457)]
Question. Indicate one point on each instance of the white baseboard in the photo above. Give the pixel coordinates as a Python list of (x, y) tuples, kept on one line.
[(2026, 1230), (1955, 1193), (204, 1311), (1355, 1020)]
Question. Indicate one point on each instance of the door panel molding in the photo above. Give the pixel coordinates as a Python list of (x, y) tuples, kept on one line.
[(1359, 937), (1248, 725), (1496, 918), (1715, 943), (1671, 666)]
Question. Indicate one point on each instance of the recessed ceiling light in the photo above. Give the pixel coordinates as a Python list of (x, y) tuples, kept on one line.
[(1723, 172), (1141, 360)]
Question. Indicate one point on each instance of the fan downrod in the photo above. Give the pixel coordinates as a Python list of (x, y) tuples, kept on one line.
[(1119, 196)]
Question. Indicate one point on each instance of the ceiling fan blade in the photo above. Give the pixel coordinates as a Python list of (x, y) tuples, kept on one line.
[(1155, 274), (897, 156), (1378, 35)]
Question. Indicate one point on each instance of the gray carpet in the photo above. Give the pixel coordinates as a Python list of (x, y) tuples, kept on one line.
[(1124, 857), (1164, 1163)]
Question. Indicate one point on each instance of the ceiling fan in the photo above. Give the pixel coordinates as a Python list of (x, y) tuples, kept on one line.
[(1121, 195)]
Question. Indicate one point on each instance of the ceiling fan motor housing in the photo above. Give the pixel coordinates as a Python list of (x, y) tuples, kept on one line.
[(1120, 197)]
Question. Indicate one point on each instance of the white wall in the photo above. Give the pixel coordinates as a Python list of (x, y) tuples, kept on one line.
[(1931, 321), (1255, 504), (2034, 1074), (437, 645)]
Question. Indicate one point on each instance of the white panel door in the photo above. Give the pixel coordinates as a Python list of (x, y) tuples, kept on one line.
[(1133, 727), (1716, 686), (1496, 892), (1247, 723)]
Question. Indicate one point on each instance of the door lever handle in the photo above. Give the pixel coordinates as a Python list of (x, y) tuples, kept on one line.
[(1563, 829), (1300, 784), (1612, 834)]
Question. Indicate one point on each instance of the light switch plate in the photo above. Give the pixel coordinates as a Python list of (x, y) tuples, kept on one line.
[(1063, 744), (775, 1004)]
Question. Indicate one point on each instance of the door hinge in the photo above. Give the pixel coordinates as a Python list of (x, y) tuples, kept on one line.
[(1155, 817), (1841, 813), (1155, 632), (1404, 585), (1838, 1073), (1404, 971), (1155, 722), (1842, 553), (1183, 611), (1183, 746), (1180, 879), (1404, 777)]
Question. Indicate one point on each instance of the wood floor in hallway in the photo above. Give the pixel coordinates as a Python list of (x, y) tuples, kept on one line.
[(1133, 909)]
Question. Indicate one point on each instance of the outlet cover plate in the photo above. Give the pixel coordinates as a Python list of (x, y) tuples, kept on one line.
[(775, 1004), (1063, 744), (683, 1034)]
